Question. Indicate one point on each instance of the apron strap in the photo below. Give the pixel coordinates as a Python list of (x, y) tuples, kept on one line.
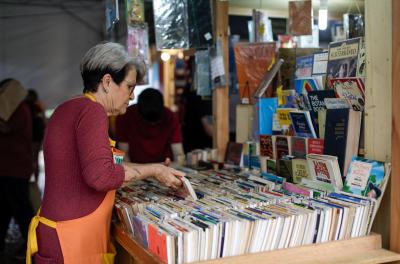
[(32, 247)]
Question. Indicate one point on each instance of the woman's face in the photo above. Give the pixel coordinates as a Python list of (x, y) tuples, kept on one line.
[(122, 93)]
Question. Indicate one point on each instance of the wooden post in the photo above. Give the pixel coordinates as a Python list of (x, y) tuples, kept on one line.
[(395, 194), (169, 81), (378, 109), (221, 94)]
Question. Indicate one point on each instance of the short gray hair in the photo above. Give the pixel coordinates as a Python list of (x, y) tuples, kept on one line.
[(112, 58)]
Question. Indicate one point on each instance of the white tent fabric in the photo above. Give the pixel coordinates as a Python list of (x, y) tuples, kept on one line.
[(42, 42)]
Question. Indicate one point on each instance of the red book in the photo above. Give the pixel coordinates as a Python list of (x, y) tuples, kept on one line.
[(157, 240), (315, 146)]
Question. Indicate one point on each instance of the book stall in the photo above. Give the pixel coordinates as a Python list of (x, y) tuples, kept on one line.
[(299, 184)]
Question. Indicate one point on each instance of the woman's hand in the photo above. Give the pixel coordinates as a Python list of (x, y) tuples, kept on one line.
[(165, 175), (168, 176)]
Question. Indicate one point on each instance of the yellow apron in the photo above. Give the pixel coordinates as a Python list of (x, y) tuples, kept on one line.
[(85, 239)]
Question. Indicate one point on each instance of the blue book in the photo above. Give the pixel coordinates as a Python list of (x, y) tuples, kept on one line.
[(302, 124), (266, 110), (304, 65)]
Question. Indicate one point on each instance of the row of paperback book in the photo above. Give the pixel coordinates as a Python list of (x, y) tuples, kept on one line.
[(234, 213)]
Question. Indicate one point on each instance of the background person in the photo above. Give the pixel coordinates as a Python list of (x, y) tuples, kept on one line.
[(148, 131), (15, 158)]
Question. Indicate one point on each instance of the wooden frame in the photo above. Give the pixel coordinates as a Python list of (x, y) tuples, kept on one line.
[(395, 195), (357, 250)]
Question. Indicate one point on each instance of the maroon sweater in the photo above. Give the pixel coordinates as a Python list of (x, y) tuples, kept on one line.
[(79, 167)]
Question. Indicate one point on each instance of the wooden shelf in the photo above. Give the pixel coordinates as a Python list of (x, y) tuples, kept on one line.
[(364, 250)]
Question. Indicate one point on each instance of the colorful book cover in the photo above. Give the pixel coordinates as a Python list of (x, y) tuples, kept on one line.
[(302, 124), (267, 146), (294, 188), (365, 177), (266, 111), (300, 170), (315, 146), (351, 89), (157, 241), (342, 61), (299, 147), (305, 85), (140, 233), (325, 168), (303, 67), (320, 63)]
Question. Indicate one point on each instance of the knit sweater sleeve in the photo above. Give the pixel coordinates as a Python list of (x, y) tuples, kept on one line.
[(95, 156)]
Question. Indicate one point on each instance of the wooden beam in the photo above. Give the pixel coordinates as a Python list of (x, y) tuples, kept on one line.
[(221, 94), (378, 109), (169, 81), (395, 196)]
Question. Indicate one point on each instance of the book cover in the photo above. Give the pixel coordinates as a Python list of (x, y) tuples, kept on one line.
[(351, 89), (320, 63), (305, 85), (315, 146), (342, 135), (336, 134), (299, 147), (361, 61), (365, 177), (304, 66), (300, 21), (271, 166), (285, 168), (267, 146), (317, 99), (302, 124), (342, 60), (325, 168), (266, 111), (283, 147), (294, 188), (140, 233), (336, 103), (233, 153), (157, 241), (300, 170), (189, 188)]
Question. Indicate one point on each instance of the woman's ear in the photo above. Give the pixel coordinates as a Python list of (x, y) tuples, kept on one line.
[(106, 80)]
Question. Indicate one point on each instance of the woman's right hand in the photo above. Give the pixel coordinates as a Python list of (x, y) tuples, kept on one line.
[(168, 176)]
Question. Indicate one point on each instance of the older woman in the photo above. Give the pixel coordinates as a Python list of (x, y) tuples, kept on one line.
[(81, 177)]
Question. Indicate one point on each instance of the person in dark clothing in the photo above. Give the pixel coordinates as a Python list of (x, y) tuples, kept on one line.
[(38, 127), (148, 131), (15, 158), (197, 125)]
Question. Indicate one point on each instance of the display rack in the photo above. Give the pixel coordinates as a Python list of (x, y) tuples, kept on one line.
[(381, 144)]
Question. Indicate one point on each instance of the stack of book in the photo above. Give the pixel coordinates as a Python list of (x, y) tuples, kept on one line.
[(239, 213)]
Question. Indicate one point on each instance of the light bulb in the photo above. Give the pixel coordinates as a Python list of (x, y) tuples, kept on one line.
[(165, 56)]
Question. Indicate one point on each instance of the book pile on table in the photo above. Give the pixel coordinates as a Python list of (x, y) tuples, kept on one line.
[(239, 213)]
